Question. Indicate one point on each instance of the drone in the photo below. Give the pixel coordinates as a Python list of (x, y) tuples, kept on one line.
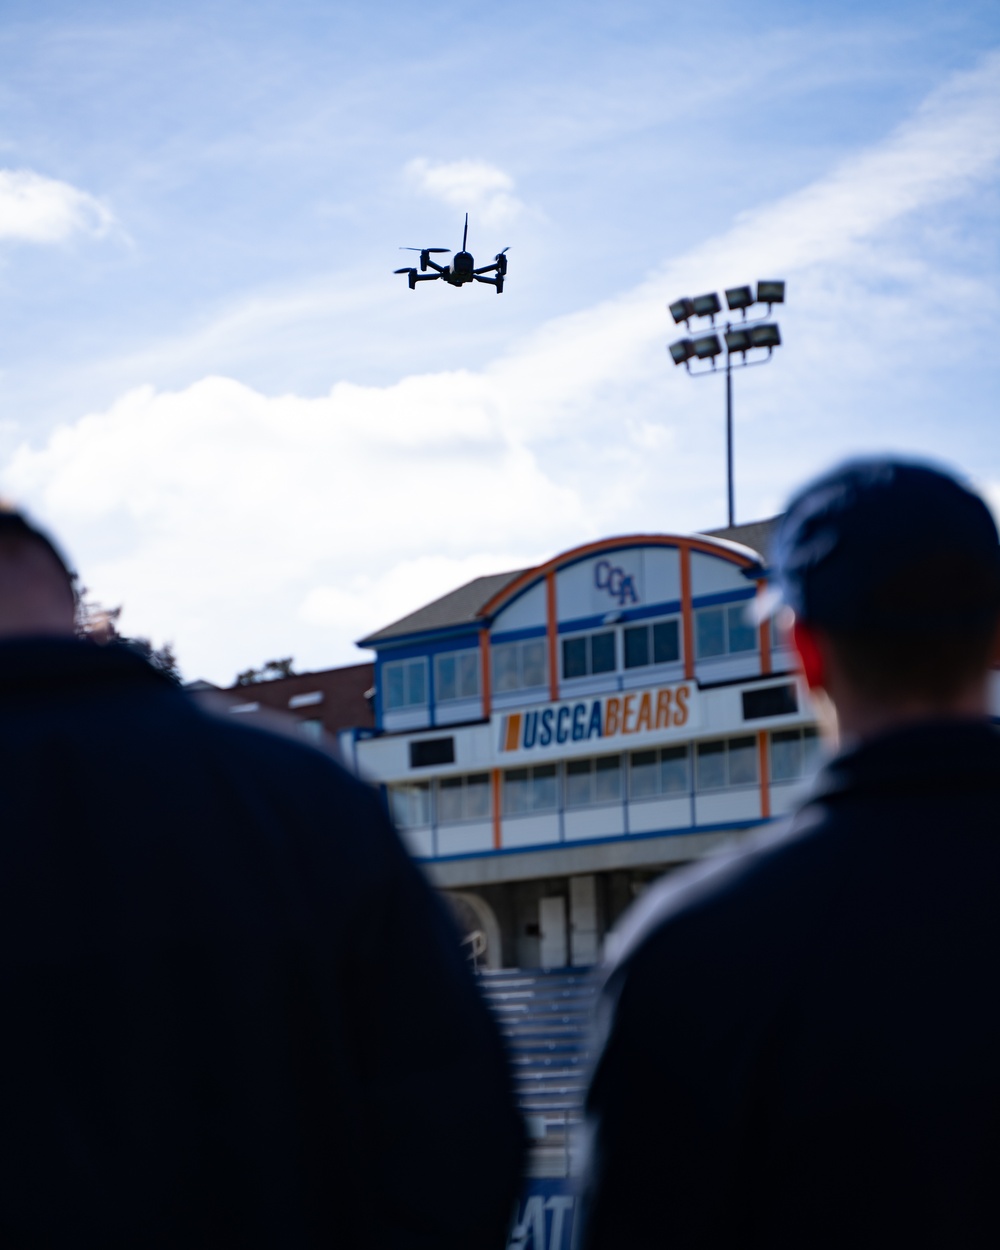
[(461, 270)]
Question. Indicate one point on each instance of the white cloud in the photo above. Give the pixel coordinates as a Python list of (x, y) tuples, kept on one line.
[(476, 187), (37, 209), (243, 525)]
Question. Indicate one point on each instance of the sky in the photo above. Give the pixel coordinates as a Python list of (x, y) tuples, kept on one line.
[(247, 431)]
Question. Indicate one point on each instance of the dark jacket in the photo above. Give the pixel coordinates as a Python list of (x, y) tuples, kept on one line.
[(232, 1011), (802, 1040)]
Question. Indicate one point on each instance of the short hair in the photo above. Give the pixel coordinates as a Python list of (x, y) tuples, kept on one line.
[(17, 534), (951, 599)]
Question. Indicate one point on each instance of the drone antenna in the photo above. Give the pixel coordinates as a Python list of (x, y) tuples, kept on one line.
[(465, 233)]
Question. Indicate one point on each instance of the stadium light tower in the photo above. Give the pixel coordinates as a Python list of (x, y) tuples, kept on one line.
[(756, 335)]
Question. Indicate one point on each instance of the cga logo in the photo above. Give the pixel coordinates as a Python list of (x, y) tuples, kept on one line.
[(619, 584)]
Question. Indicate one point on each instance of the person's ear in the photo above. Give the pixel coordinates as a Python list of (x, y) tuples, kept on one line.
[(810, 655)]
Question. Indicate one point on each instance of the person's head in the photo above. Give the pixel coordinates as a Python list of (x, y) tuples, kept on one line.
[(36, 587), (892, 571)]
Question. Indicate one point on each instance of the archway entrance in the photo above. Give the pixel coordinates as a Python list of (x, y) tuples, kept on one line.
[(475, 916)]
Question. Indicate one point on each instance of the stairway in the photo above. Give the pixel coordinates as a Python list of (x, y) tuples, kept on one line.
[(545, 1016)]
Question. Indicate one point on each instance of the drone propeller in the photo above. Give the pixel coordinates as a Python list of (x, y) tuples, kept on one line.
[(407, 270), (425, 249), (465, 232)]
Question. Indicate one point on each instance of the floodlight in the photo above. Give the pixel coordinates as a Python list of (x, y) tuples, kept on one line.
[(766, 335), (681, 309), (770, 292), (739, 297), (707, 347), (682, 350), (706, 305), (738, 340)]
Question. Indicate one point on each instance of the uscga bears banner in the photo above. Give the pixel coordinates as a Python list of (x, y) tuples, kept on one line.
[(586, 725)]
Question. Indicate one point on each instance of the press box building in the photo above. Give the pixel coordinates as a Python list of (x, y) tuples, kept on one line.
[(552, 739)]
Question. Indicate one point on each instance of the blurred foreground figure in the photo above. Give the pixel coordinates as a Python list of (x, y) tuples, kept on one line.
[(234, 1014), (802, 1040)]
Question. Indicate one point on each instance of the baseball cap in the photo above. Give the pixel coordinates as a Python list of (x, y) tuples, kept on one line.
[(891, 545)]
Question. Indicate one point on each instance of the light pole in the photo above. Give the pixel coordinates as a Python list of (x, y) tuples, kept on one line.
[(746, 336)]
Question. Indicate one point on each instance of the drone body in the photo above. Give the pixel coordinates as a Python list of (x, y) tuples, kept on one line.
[(461, 270)]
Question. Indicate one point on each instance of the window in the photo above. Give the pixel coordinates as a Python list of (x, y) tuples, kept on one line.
[(731, 762), (771, 701), (456, 676), (519, 665), (405, 683), (724, 631), (793, 753), (594, 781), (589, 653), (463, 798), (529, 790), (411, 804), (664, 772), (432, 751), (656, 643)]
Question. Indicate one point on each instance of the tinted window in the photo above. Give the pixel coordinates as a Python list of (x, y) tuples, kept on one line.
[(644, 780), (742, 633), (637, 646), (608, 779), (666, 642), (577, 783), (711, 632), (674, 770), (742, 761), (786, 755), (602, 648), (574, 657), (711, 765)]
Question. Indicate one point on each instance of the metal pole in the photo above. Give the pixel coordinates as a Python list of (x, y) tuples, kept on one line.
[(729, 435)]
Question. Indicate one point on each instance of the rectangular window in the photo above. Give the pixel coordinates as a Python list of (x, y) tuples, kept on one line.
[(675, 771), (711, 765), (727, 763), (656, 643), (411, 804), (405, 683), (593, 781), (711, 629), (529, 790), (589, 653), (724, 631), (520, 665), (456, 676), (794, 753), (463, 798), (742, 753), (659, 772), (771, 701), (432, 751), (579, 783)]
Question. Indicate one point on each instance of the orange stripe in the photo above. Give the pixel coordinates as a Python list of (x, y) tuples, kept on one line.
[(530, 576), (765, 641), (484, 660), (687, 616), (765, 778), (513, 738), (552, 630), (496, 809)]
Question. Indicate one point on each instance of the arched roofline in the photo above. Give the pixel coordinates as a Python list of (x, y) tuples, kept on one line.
[(735, 553)]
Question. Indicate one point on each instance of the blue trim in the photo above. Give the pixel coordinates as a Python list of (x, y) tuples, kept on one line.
[(672, 608), (517, 635), (726, 596), (617, 838)]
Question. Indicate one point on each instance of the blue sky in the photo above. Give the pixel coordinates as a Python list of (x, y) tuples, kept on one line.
[(251, 434)]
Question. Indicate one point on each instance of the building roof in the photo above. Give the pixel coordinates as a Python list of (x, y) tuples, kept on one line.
[(343, 704), (457, 607), (756, 535), (463, 605)]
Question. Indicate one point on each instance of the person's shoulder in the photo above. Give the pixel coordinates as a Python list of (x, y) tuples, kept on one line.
[(765, 883)]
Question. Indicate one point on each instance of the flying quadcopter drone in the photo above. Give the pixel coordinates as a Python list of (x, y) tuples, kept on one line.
[(461, 270)]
